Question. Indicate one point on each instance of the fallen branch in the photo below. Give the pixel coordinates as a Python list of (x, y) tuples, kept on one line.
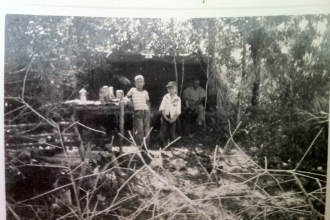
[(314, 212), (91, 128), (309, 148), (26, 73), (208, 175), (12, 211), (33, 124)]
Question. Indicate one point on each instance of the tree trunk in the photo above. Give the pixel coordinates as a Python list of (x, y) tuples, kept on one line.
[(256, 83), (182, 78), (256, 42), (239, 96), (211, 85), (175, 68)]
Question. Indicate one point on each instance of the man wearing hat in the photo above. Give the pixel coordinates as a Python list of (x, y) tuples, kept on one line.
[(170, 109)]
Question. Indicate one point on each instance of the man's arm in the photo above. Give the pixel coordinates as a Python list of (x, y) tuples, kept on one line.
[(128, 99), (147, 100), (162, 109), (129, 94), (164, 115), (185, 97), (177, 113), (201, 100), (148, 103), (202, 96)]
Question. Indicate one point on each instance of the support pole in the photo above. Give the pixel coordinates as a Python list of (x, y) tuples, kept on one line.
[(76, 132), (121, 123)]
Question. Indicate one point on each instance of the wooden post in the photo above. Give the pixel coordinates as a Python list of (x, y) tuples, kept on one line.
[(121, 123), (182, 77), (175, 68), (76, 132)]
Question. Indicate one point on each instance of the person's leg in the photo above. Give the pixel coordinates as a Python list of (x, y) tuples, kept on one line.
[(171, 129), (146, 126), (200, 114), (138, 127), (163, 132)]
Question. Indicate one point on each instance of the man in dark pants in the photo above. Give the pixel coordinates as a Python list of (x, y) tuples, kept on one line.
[(194, 98), (170, 109)]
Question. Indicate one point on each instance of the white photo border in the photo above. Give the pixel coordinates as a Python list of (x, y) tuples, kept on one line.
[(151, 9)]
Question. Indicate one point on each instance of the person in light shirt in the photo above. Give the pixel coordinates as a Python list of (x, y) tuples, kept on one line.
[(170, 108), (194, 98), (141, 105)]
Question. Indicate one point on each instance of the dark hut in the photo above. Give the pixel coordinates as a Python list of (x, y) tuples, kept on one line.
[(121, 68)]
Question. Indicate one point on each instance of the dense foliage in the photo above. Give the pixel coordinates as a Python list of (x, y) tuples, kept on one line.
[(276, 64), (271, 73)]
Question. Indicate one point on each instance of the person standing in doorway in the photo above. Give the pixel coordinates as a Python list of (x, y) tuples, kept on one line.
[(170, 108), (141, 106)]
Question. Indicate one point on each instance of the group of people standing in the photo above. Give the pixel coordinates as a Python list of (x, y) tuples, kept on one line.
[(170, 108)]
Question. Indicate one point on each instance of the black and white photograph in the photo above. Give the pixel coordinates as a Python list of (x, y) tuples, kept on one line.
[(166, 117)]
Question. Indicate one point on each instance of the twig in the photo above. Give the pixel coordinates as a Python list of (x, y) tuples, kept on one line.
[(316, 174), (315, 213), (181, 207), (215, 157), (122, 186), (33, 110), (110, 207), (44, 165), (149, 203), (317, 191), (171, 143), (131, 142), (208, 175), (23, 106), (12, 211), (70, 126), (149, 132), (91, 128), (72, 211), (27, 71), (317, 199), (81, 143), (46, 193), (211, 194), (117, 170), (75, 188), (146, 148), (308, 148), (132, 138), (84, 165), (277, 181), (231, 135)]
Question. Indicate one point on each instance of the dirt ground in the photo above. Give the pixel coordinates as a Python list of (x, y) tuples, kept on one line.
[(199, 177)]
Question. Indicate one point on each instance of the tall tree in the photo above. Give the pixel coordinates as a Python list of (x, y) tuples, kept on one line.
[(256, 40)]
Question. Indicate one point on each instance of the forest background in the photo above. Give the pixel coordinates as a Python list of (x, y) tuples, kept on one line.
[(273, 70), (271, 73)]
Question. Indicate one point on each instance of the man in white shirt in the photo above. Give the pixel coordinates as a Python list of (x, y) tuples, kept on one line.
[(170, 109), (194, 98)]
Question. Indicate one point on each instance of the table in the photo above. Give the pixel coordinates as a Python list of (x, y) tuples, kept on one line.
[(97, 108)]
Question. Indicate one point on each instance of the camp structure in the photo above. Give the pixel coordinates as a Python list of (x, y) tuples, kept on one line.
[(121, 68)]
